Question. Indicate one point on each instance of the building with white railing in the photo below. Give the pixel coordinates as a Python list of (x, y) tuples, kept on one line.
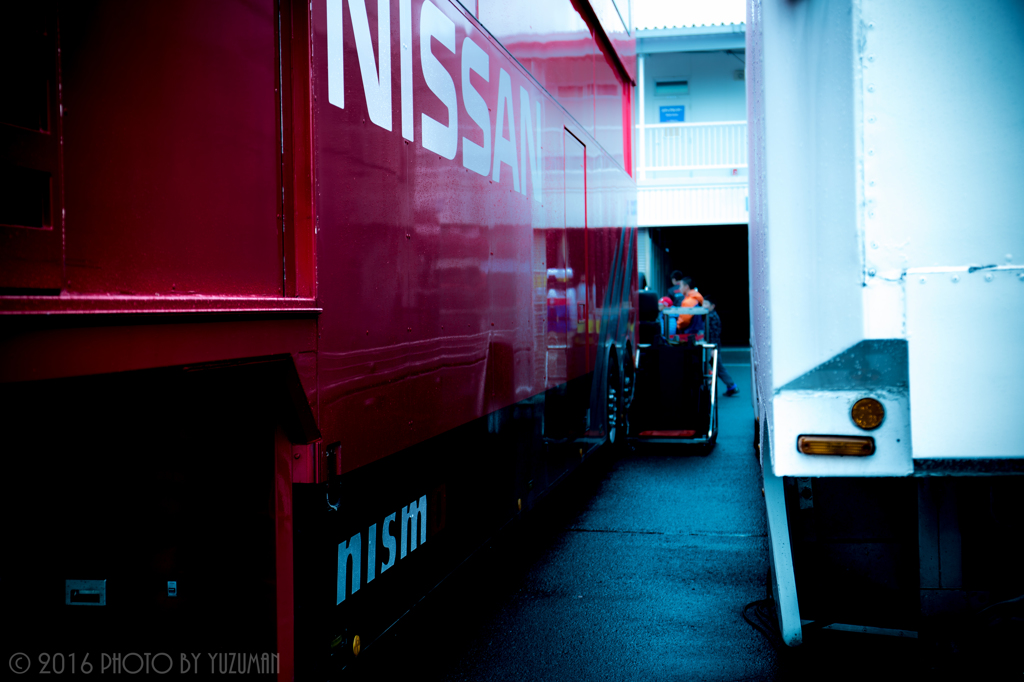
[(692, 173), (690, 146), (691, 129)]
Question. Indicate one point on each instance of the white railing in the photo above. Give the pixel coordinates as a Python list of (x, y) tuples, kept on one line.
[(691, 146)]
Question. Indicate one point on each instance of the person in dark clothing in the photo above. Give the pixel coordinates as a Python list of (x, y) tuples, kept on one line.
[(713, 334), (676, 293)]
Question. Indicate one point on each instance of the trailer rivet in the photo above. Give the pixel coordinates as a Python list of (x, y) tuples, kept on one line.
[(923, 280), (296, 454), (989, 277), (1020, 276), (871, 88), (871, 272), (955, 278)]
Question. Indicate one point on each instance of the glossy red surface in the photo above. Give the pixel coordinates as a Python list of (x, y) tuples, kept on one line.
[(190, 184), (432, 274), (429, 218), (171, 163), (182, 170)]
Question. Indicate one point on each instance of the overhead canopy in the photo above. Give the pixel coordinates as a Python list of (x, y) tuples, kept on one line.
[(691, 38)]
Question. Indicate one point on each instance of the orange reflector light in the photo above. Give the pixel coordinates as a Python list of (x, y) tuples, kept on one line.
[(867, 413), (858, 446), (688, 433)]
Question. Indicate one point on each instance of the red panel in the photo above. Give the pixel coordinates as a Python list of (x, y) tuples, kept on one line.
[(31, 229), (30, 259), (428, 270), (172, 148), (36, 349), (297, 132), (431, 275)]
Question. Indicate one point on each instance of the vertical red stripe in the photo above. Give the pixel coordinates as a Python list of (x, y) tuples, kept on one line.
[(627, 126)]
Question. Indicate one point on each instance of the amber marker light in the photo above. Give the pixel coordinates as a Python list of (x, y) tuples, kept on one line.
[(357, 645), (867, 413), (857, 446)]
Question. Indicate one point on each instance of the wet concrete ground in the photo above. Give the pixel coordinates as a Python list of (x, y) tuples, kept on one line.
[(641, 572)]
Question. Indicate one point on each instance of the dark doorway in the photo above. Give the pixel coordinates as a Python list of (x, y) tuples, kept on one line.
[(715, 256)]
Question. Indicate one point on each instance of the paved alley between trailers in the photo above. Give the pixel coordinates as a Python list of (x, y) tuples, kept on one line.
[(642, 575)]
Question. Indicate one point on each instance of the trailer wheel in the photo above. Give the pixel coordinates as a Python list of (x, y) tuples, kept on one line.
[(628, 378)]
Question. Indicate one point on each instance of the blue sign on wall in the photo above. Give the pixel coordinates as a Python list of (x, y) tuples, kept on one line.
[(676, 114)]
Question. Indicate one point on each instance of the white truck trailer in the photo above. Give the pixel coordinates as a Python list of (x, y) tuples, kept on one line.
[(886, 241)]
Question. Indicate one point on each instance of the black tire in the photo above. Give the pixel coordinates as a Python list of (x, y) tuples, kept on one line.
[(757, 436), (628, 378), (616, 421)]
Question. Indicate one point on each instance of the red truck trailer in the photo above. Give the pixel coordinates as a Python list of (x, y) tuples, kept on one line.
[(300, 304)]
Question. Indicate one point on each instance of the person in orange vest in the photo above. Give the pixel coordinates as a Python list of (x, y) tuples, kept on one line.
[(689, 324)]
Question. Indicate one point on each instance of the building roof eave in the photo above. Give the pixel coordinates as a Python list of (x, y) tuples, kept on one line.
[(674, 40)]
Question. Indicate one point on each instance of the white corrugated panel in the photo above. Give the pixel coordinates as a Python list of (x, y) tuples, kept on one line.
[(964, 332)]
